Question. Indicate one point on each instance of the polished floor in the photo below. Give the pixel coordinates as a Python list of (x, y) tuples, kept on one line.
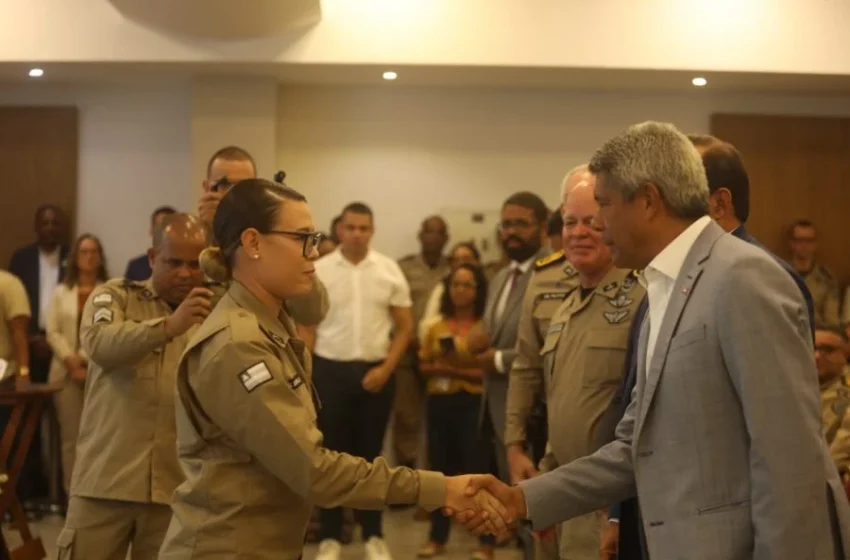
[(404, 537)]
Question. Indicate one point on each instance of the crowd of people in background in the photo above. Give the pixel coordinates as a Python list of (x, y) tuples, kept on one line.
[(469, 348)]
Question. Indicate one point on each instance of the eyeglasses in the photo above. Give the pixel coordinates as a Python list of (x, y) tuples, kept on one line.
[(516, 224), (311, 239)]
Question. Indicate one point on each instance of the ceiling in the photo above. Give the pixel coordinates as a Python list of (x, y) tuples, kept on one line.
[(436, 76)]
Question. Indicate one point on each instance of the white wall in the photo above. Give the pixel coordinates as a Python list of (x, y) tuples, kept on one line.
[(233, 112), (796, 36), (410, 152), (134, 156)]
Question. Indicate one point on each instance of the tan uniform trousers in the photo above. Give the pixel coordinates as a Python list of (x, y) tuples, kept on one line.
[(98, 529), (69, 410), (407, 414)]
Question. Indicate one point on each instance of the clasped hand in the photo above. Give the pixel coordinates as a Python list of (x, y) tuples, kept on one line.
[(483, 504)]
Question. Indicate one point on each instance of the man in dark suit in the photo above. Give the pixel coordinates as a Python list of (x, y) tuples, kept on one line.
[(521, 231), (729, 199), (139, 268), (729, 207), (40, 267)]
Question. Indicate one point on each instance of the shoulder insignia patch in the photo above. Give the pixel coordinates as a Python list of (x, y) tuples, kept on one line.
[(616, 317), (102, 299), (549, 260), (102, 315), (629, 283), (146, 294), (254, 376), (620, 301)]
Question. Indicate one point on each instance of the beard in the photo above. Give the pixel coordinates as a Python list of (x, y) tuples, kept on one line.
[(521, 252)]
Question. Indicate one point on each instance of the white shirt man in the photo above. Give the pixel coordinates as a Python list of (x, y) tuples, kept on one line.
[(357, 346)]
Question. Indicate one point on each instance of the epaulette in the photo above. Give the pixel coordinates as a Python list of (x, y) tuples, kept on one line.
[(549, 260), (135, 284)]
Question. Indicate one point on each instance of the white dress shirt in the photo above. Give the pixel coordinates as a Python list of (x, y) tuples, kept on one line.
[(359, 321), (659, 279), (48, 279), (518, 269)]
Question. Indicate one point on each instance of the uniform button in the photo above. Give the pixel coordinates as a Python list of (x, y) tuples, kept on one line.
[(644, 454)]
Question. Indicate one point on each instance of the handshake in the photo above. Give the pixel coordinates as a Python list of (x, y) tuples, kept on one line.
[(484, 504)]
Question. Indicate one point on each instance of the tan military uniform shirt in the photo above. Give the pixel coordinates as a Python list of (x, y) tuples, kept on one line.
[(554, 278), (583, 359), (835, 400), (249, 444), (825, 294), (13, 303), (421, 278), (126, 448)]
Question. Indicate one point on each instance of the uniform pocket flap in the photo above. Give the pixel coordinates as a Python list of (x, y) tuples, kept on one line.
[(613, 339)]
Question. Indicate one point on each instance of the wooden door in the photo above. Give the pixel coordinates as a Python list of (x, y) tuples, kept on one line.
[(38, 156), (799, 167)]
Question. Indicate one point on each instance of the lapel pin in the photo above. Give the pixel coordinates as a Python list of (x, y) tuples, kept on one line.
[(685, 290)]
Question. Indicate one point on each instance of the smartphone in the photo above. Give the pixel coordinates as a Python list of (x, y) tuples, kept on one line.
[(447, 343)]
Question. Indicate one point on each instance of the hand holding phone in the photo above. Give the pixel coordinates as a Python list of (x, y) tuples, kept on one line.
[(447, 344)]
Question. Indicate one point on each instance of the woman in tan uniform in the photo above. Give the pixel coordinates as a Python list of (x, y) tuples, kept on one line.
[(246, 414)]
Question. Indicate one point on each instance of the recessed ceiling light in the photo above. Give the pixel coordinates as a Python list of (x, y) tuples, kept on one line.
[(699, 81), (390, 75), (36, 73)]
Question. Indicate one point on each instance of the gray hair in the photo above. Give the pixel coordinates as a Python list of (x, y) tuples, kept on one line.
[(657, 153), (582, 168)]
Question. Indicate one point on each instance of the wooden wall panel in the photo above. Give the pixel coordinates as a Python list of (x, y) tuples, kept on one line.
[(799, 167), (38, 156)]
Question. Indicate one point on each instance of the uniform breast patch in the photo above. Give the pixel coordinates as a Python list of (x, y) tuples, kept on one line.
[(102, 299), (616, 317), (620, 301), (255, 376), (102, 315)]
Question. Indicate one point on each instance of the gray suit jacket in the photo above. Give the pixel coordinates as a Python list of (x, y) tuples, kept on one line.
[(722, 441), (503, 335)]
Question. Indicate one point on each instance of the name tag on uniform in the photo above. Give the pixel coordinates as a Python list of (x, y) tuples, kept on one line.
[(255, 376), (102, 299), (558, 296)]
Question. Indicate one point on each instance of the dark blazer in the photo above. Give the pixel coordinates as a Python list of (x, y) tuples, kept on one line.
[(628, 513), (744, 235), (25, 265), (138, 269)]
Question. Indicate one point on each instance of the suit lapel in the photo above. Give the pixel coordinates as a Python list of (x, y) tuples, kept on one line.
[(682, 289), (516, 296)]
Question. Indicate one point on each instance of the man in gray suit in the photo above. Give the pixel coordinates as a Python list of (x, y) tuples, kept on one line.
[(521, 232), (722, 441)]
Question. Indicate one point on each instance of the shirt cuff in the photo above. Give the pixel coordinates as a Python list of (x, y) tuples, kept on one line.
[(498, 362)]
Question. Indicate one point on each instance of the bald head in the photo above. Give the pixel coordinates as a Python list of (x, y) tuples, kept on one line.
[(175, 257), (433, 236), (179, 226), (572, 178)]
